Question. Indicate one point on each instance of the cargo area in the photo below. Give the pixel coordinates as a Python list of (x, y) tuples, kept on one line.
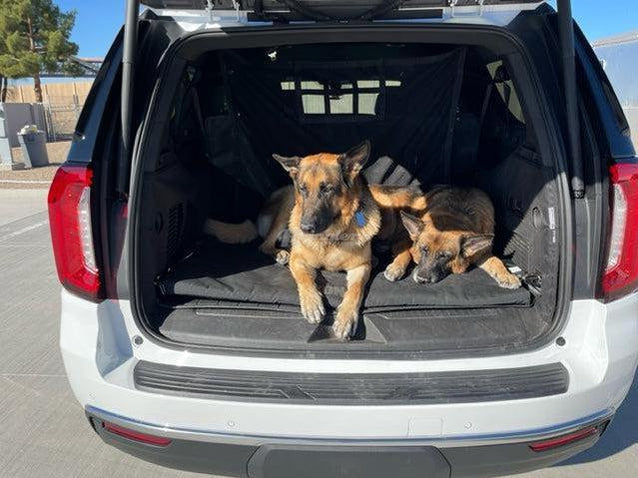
[(434, 113)]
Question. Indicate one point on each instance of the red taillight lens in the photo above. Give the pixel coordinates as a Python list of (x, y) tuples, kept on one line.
[(136, 436), (71, 231), (565, 439), (621, 272)]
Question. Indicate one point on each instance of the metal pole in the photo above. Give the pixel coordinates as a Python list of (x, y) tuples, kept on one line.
[(566, 36), (128, 71)]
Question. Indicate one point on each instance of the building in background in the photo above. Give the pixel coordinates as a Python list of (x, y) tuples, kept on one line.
[(619, 57)]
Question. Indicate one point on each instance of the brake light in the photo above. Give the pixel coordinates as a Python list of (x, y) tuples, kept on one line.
[(565, 439), (135, 435), (71, 232), (621, 272)]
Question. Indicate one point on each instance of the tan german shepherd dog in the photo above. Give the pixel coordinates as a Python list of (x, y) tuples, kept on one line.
[(332, 215), (455, 232)]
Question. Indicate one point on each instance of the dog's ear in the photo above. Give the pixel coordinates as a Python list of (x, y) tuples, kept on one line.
[(290, 164), (413, 224), (355, 159), (474, 243)]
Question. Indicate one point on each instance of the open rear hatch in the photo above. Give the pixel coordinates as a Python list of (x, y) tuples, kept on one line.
[(434, 113), (210, 159)]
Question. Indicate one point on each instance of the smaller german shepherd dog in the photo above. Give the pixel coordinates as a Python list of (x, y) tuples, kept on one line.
[(455, 232), (332, 215)]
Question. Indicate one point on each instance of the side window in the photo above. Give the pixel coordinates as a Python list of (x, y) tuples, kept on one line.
[(505, 88), (609, 116), (100, 80), (619, 114), (104, 92)]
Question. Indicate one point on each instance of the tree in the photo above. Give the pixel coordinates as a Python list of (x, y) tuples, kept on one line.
[(3, 79), (34, 37)]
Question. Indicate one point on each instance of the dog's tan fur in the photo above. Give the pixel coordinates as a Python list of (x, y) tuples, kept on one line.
[(345, 245), (457, 230), (231, 233)]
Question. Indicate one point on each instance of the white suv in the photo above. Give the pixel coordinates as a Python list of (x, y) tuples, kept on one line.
[(192, 353)]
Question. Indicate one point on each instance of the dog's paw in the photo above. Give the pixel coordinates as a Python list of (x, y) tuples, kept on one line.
[(394, 272), (312, 307), (267, 248), (508, 281), (345, 324), (282, 257)]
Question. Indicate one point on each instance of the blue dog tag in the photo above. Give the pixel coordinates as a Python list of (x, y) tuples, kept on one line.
[(360, 218)]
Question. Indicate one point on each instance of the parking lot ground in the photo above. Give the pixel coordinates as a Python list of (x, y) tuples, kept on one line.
[(43, 430)]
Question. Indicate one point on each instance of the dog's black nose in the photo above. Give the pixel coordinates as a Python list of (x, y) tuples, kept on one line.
[(308, 227)]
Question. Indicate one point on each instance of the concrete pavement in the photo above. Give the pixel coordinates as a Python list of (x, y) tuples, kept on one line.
[(43, 431), (17, 204)]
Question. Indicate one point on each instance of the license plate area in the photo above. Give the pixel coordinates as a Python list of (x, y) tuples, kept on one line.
[(307, 461)]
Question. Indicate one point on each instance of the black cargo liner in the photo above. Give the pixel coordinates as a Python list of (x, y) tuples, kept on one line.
[(240, 272), (281, 329)]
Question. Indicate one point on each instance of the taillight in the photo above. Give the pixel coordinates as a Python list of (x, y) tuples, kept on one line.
[(135, 435), (621, 272), (71, 232), (565, 439)]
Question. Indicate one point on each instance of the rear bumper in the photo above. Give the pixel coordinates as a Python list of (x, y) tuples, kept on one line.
[(600, 355), (257, 458)]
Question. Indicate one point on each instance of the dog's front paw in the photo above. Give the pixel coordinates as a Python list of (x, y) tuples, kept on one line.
[(282, 257), (345, 324), (508, 281), (312, 307), (394, 272)]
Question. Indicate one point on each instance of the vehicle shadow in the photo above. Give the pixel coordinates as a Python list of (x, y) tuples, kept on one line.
[(621, 434)]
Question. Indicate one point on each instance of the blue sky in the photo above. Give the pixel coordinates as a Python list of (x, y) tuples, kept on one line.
[(98, 21)]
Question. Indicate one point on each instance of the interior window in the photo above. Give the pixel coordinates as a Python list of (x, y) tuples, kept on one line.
[(354, 99), (505, 87)]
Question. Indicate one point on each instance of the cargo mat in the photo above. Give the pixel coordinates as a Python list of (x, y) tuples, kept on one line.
[(242, 274)]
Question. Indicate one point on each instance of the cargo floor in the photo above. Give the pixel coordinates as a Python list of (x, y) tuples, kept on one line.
[(233, 296)]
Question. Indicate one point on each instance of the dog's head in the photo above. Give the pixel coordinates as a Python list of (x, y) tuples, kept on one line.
[(323, 184), (439, 253)]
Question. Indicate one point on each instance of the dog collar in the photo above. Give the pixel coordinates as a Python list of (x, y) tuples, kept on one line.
[(360, 218)]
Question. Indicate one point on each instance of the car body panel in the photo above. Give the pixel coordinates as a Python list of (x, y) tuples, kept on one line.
[(599, 353)]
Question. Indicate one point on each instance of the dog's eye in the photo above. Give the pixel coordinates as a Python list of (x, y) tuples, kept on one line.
[(425, 251), (303, 190), (326, 189)]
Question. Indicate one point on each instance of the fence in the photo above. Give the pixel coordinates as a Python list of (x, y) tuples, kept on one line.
[(62, 104)]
